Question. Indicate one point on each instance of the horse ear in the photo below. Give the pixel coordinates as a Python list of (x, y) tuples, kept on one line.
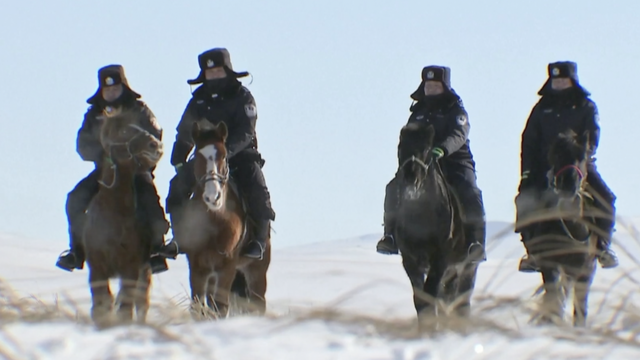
[(223, 131)]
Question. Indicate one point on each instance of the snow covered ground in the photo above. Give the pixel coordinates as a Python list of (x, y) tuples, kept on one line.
[(330, 300)]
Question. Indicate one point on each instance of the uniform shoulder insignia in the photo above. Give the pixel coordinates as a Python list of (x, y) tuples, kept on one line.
[(461, 119), (250, 110)]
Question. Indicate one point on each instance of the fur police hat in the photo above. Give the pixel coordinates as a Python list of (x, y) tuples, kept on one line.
[(213, 58), (562, 69), (433, 73), (437, 73), (111, 75)]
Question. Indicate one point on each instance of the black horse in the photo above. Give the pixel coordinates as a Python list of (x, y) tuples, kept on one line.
[(563, 241), (429, 230)]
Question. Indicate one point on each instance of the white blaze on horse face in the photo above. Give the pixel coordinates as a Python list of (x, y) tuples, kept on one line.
[(212, 194)]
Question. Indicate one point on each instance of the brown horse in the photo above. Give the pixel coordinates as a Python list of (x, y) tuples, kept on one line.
[(113, 244), (214, 227)]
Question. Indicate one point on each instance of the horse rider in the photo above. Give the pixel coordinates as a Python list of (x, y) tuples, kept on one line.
[(564, 105), (436, 103), (222, 98), (114, 93)]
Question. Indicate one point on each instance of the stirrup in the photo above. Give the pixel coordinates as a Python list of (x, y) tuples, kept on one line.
[(262, 250)]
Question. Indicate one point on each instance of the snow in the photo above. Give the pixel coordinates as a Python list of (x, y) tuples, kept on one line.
[(330, 300)]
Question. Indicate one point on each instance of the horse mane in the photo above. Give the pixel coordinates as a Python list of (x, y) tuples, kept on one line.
[(568, 144), (414, 138)]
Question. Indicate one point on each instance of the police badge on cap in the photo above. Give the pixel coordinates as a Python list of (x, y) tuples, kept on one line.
[(108, 76), (213, 58)]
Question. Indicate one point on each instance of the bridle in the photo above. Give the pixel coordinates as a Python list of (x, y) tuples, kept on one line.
[(564, 169), (215, 176), (127, 144), (579, 194)]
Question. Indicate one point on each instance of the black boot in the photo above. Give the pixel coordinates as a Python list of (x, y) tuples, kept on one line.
[(475, 235), (257, 245), (606, 257), (527, 263), (73, 258), (387, 245)]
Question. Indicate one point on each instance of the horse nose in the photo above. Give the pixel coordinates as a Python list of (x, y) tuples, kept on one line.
[(218, 197), (153, 145)]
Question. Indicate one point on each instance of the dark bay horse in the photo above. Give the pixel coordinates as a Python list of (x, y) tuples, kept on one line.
[(114, 245), (429, 229), (213, 229), (563, 242)]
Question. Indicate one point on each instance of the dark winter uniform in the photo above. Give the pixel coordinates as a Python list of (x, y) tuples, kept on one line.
[(555, 113), (224, 100), (88, 145), (451, 124)]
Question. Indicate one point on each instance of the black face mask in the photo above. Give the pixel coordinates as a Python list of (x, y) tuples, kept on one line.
[(217, 85)]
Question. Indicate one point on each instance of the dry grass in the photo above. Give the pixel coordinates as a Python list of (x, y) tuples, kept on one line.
[(618, 315)]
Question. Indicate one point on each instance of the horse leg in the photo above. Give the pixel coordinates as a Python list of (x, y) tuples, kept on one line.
[(447, 294), (552, 300), (127, 295), (211, 283), (581, 299), (466, 284), (223, 288), (256, 276), (101, 297), (416, 277), (197, 281), (142, 294)]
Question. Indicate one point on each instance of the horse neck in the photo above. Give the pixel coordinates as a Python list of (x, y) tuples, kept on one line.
[(117, 186)]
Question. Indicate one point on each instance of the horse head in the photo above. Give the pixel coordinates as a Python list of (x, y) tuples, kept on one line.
[(414, 151), (211, 168), (568, 158), (126, 143)]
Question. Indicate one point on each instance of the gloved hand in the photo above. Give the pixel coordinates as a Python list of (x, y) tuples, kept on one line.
[(437, 153)]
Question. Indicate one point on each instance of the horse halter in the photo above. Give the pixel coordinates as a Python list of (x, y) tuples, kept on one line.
[(141, 131), (422, 164), (215, 176), (565, 168)]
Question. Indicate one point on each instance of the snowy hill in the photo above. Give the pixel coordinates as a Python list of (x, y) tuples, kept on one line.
[(329, 300)]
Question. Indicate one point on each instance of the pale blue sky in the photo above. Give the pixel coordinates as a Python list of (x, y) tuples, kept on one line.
[(332, 81)]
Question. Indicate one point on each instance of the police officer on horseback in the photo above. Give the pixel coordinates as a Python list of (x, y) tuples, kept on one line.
[(222, 98), (436, 103), (114, 92), (564, 105)]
